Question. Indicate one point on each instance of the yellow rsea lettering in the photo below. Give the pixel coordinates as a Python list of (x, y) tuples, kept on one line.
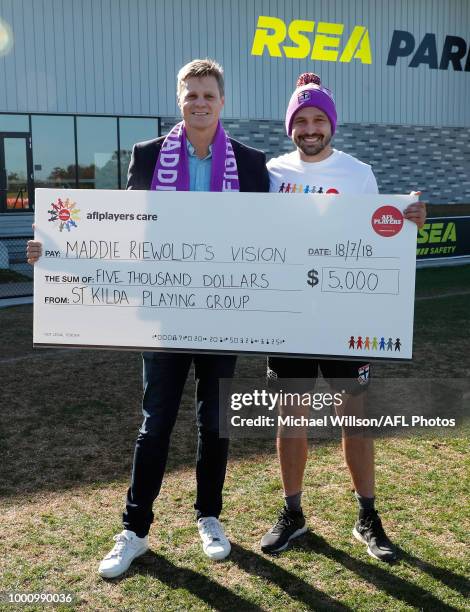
[(357, 48), (450, 235), (271, 41), (323, 40), (436, 231), (423, 235), (432, 233), (303, 43), (272, 31)]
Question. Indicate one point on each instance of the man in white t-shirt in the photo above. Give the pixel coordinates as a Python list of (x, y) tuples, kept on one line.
[(316, 167)]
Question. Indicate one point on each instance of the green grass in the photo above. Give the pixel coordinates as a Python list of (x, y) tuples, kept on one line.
[(435, 281), (68, 423)]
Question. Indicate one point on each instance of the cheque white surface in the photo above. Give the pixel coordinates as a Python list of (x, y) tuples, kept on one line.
[(309, 274)]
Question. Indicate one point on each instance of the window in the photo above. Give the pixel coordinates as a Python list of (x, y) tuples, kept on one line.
[(97, 153), (53, 151), (14, 123), (16, 173), (89, 162), (132, 130)]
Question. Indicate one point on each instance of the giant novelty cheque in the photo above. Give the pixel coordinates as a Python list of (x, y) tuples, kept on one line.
[(330, 275)]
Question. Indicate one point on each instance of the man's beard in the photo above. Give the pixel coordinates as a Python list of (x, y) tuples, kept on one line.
[(312, 149)]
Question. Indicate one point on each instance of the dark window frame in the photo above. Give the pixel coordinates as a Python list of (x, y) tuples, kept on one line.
[(29, 171), (30, 150)]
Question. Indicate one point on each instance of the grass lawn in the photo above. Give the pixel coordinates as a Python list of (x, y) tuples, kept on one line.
[(68, 422)]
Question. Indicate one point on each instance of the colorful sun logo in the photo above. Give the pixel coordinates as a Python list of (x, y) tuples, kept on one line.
[(64, 214)]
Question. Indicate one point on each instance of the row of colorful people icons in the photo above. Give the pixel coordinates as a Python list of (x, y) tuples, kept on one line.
[(374, 344), (294, 188)]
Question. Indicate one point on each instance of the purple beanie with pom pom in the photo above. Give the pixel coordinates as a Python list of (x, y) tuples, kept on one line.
[(310, 92)]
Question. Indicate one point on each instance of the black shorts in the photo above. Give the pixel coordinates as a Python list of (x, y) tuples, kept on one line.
[(299, 375)]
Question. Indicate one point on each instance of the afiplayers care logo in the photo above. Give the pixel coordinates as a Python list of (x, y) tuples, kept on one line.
[(332, 42), (387, 221), (64, 214)]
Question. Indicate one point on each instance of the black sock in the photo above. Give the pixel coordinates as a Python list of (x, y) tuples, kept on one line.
[(366, 504), (293, 502)]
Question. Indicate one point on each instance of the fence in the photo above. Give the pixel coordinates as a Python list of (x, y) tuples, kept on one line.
[(16, 275)]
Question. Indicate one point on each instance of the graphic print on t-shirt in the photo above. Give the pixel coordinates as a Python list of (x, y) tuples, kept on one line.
[(340, 173), (307, 189)]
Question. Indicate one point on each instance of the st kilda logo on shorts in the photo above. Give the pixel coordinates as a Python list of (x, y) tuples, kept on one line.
[(363, 374), (387, 221)]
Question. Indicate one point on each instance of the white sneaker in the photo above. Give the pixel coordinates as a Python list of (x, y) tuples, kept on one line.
[(128, 546), (214, 542)]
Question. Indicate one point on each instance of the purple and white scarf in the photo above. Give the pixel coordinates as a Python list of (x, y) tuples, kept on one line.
[(172, 168)]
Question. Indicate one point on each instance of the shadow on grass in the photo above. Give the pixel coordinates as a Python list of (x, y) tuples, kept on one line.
[(211, 592), (456, 582), (222, 598), (382, 578), (296, 588)]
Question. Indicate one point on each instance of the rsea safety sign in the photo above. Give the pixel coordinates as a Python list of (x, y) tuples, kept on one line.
[(444, 238)]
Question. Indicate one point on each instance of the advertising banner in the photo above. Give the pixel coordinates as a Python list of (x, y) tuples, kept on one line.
[(444, 238)]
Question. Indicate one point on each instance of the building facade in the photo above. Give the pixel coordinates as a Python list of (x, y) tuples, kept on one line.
[(82, 80)]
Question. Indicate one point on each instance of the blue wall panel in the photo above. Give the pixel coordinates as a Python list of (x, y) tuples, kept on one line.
[(121, 57)]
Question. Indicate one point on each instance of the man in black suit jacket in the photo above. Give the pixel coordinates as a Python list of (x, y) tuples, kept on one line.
[(201, 98), (251, 165)]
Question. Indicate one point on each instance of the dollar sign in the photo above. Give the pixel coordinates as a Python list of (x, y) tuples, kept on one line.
[(312, 278)]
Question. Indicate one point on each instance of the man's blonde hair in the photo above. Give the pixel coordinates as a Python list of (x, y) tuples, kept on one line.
[(200, 68)]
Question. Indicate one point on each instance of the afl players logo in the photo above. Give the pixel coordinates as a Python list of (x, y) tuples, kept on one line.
[(387, 221)]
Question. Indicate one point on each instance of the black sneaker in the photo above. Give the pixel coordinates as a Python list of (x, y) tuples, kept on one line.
[(369, 530), (289, 525)]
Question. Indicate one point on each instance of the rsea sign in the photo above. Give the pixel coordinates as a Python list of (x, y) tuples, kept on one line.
[(332, 42), (444, 238)]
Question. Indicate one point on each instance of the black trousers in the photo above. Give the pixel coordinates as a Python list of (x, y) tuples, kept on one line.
[(164, 378)]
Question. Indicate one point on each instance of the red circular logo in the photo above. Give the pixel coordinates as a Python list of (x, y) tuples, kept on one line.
[(64, 215), (387, 221), (332, 190)]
